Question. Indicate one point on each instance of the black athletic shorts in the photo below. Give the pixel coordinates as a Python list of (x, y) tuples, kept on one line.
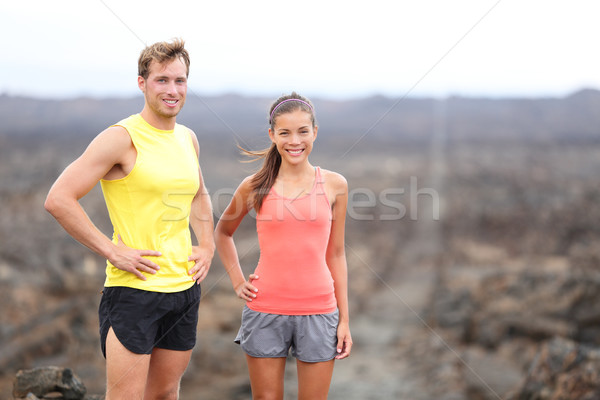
[(143, 320)]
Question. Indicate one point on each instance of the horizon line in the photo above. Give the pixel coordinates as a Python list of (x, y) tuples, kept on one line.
[(320, 97)]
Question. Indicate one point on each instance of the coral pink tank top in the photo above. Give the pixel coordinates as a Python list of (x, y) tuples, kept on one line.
[(293, 235)]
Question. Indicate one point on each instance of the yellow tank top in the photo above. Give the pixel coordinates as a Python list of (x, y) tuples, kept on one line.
[(150, 207)]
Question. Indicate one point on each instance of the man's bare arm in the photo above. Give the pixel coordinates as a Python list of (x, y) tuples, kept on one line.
[(202, 223), (104, 153)]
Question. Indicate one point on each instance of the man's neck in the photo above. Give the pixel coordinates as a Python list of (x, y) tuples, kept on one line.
[(157, 121)]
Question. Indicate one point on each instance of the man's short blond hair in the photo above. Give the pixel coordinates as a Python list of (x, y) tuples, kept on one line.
[(161, 52)]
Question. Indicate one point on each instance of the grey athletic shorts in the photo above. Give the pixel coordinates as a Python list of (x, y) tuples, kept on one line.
[(312, 338)]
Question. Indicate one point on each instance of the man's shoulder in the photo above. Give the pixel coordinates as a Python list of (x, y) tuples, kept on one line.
[(188, 132), (115, 136), (127, 121), (185, 128), (116, 132)]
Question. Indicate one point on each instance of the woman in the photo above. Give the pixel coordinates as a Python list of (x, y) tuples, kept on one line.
[(297, 298)]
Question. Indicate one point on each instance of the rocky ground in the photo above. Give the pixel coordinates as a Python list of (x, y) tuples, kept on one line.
[(493, 300)]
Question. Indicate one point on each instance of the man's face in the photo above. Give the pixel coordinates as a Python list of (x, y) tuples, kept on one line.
[(165, 88)]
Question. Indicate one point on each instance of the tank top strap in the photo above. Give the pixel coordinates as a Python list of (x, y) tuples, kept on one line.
[(320, 186), (319, 182)]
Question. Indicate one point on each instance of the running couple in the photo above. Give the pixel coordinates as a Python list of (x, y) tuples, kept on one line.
[(147, 165)]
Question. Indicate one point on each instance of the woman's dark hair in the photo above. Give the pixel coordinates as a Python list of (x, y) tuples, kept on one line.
[(263, 180)]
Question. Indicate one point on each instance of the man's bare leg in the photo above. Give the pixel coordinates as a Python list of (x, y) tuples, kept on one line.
[(165, 372), (126, 372)]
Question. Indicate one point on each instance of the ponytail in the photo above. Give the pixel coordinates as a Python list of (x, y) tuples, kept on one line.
[(263, 180)]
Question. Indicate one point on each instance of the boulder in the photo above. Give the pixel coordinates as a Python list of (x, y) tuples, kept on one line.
[(44, 380), (563, 370)]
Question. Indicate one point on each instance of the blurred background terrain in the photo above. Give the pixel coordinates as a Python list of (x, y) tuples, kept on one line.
[(473, 242)]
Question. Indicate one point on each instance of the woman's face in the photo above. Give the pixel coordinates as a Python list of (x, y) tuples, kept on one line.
[(294, 135)]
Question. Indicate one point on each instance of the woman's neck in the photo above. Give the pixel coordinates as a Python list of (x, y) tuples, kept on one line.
[(289, 171)]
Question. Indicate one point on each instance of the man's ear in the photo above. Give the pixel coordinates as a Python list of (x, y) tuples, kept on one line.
[(141, 83)]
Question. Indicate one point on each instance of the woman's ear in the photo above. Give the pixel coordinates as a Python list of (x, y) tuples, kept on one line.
[(271, 135)]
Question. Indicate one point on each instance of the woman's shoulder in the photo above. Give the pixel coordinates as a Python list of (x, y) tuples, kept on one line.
[(334, 179), (244, 191), (246, 184)]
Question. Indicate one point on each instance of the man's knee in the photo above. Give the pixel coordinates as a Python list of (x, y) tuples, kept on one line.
[(121, 392), (170, 393), (268, 396)]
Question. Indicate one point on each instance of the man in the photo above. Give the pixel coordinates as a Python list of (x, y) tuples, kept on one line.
[(148, 167)]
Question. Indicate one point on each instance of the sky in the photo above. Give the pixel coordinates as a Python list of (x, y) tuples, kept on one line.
[(331, 49)]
